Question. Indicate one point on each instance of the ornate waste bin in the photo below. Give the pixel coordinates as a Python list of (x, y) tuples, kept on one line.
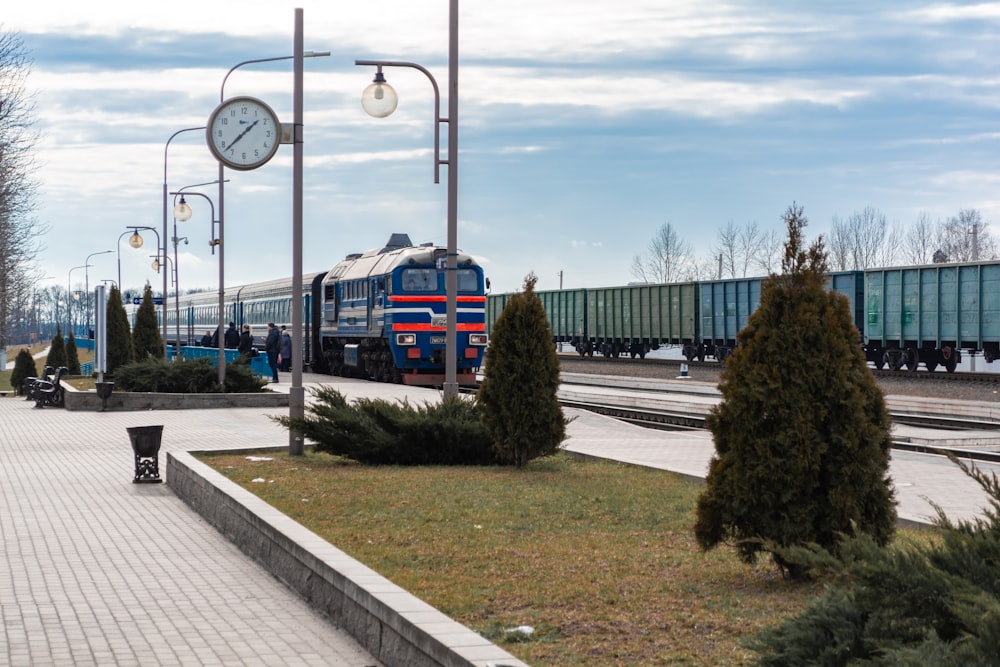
[(146, 448), (104, 390)]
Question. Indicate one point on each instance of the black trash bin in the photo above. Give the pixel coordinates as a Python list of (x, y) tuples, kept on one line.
[(104, 390), (146, 448)]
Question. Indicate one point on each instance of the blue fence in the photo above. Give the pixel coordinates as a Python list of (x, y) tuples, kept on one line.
[(258, 364)]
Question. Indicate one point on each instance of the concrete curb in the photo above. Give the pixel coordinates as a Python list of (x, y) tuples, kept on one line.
[(393, 625)]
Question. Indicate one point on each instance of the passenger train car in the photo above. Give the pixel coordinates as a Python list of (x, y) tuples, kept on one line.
[(379, 315), (906, 316)]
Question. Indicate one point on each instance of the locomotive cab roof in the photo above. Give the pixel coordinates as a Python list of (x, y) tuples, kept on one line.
[(397, 251)]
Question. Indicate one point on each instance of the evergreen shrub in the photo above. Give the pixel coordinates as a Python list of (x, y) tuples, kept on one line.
[(146, 339), (379, 432), (184, 376), (802, 432), (72, 356), (119, 336), (24, 368), (929, 603), (57, 350), (518, 397)]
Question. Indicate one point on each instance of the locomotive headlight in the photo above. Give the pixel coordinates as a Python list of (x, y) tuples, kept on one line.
[(406, 339), (478, 339)]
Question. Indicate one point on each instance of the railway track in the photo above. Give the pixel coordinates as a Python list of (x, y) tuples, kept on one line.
[(678, 421), (604, 365)]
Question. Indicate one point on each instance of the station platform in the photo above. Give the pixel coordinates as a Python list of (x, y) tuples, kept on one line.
[(97, 570)]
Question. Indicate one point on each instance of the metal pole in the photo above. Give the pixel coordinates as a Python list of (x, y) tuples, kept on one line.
[(86, 288), (164, 247), (451, 275), (296, 394)]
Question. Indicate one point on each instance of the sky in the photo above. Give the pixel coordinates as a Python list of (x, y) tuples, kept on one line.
[(583, 127)]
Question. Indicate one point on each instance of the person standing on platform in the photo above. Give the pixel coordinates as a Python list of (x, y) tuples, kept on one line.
[(246, 343), (285, 351), (272, 345), (232, 339)]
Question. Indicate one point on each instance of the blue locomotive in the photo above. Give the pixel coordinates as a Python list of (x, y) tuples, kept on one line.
[(379, 315)]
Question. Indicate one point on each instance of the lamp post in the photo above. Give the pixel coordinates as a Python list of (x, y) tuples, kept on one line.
[(69, 294), (296, 393), (182, 212), (135, 241), (379, 100), (164, 247), (86, 287)]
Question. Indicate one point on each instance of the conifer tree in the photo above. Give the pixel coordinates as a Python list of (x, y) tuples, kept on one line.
[(72, 356), (119, 337), (928, 602), (802, 432), (518, 396), (146, 338), (57, 350), (24, 368)]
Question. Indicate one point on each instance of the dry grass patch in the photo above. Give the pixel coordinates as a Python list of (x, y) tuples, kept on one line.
[(598, 557)]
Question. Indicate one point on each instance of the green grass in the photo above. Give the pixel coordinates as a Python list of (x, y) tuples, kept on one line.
[(598, 557)]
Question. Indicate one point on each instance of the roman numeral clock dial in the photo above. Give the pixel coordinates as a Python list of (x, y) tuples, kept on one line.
[(243, 133)]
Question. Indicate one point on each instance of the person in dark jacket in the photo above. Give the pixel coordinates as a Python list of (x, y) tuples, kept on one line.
[(272, 345), (206, 340), (232, 336), (245, 345), (286, 351)]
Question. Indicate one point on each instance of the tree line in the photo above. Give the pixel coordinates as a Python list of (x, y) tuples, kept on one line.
[(862, 240)]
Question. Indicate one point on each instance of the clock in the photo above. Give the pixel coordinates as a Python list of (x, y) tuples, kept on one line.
[(243, 133)]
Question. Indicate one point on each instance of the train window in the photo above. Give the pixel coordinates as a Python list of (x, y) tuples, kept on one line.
[(468, 281), (420, 280)]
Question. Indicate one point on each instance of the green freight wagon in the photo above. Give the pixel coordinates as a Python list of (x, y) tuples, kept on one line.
[(565, 310), (637, 318), (927, 314), (726, 305), (494, 306)]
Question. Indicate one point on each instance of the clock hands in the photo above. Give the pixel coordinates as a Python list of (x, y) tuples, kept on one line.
[(241, 135)]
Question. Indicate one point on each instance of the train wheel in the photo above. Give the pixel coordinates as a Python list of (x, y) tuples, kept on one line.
[(931, 365), (912, 358), (950, 358)]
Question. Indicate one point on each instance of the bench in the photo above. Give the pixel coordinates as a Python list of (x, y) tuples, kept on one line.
[(50, 393), (29, 384)]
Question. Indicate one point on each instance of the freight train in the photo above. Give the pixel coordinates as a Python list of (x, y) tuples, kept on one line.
[(906, 316), (377, 315)]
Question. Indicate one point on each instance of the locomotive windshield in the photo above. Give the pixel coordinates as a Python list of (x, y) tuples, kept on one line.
[(420, 280), (426, 280)]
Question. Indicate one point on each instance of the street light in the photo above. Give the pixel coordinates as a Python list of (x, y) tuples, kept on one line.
[(183, 213), (164, 247), (69, 294), (135, 241), (296, 393), (86, 287), (379, 100)]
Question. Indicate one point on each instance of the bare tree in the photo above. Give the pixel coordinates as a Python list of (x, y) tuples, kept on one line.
[(667, 259), (770, 251), (919, 243), (19, 231), (965, 238), (740, 249), (865, 239)]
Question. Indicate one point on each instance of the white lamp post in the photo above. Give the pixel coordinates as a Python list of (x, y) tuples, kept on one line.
[(379, 100)]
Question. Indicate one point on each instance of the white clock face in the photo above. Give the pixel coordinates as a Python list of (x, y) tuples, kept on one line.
[(243, 133)]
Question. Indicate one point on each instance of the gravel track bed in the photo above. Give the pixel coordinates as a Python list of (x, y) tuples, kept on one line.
[(954, 389)]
